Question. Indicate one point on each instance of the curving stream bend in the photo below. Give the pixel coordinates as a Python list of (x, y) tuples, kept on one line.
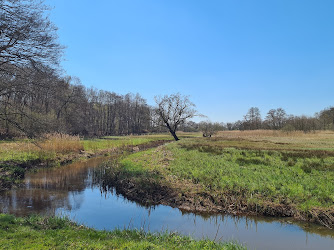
[(74, 191)]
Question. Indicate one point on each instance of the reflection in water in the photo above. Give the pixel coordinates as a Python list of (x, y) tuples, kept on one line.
[(50, 189), (74, 190)]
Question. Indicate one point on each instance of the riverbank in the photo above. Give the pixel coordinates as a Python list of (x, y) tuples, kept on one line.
[(37, 232), (235, 175), (19, 157)]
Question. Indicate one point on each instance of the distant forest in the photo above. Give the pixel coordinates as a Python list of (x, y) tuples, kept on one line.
[(278, 119), (36, 98)]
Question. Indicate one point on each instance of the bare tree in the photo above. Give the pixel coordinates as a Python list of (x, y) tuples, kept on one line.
[(208, 128), (29, 55), (173, 111), (326, 118), (276, 118), (252, 120), (27, 37)]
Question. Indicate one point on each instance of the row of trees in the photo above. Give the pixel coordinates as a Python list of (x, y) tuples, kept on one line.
[(278, 119), (49, 103)]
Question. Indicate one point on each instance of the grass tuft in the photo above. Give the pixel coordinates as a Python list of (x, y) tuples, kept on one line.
[(37, 232)]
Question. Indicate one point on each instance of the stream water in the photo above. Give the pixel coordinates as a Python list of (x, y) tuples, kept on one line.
[(73, 191)]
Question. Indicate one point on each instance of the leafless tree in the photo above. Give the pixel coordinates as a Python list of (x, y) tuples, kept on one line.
[(29, 54), (326, 118), (173, 111), (276, 118), (27, 37), (208, 128), (252, 120)]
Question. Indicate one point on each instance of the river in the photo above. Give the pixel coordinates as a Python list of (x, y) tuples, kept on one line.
[(74, 191)]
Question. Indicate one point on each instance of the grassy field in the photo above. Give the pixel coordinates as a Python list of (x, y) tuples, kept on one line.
[(263, 172), (49, 233)]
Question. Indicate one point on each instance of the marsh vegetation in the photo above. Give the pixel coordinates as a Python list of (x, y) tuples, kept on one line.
[(254, 173)]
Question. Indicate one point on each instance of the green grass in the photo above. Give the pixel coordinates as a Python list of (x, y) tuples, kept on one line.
[(18, 151), (301, 179), (36, 232), (259, 176), (120, 141)]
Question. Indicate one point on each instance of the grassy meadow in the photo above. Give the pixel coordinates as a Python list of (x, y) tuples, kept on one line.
[(36, 232), (262, 172)]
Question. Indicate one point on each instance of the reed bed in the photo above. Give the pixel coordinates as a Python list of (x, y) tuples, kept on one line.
[(50, 145), (60, 143)]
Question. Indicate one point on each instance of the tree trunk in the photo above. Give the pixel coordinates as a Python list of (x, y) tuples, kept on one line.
[(172, 132), (174, 135)]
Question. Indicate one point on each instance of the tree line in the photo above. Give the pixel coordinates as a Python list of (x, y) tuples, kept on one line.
[(36, 98), (43, 103), (275, 119), (278, 119)]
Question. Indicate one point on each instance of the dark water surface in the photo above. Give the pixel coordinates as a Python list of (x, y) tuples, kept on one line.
[(74, 191)]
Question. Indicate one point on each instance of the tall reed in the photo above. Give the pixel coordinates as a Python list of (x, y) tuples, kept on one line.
[(60, 143)]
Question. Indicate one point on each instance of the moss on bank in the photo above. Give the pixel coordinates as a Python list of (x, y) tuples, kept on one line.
[(51, 232)]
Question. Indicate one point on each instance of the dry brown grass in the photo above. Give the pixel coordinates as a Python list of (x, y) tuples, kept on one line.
[(50, 146), (323, 140), (61, 143), (272, 133)]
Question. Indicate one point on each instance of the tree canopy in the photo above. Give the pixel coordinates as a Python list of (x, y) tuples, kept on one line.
[(174, 110)]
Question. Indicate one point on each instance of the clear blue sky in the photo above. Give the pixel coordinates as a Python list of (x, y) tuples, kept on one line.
[(227, 55)]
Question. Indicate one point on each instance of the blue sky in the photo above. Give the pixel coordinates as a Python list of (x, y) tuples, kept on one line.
[(227, 56)]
